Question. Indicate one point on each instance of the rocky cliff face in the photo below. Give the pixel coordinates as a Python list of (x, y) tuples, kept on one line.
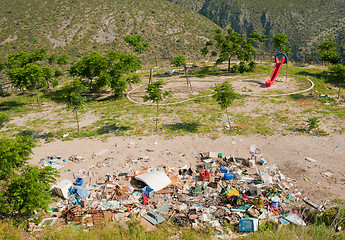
[(304, 22)]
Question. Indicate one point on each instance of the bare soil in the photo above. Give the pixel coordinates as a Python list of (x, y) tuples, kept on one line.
[(320, 180)]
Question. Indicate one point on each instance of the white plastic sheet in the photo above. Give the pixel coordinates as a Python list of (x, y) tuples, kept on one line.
[(156, 180)]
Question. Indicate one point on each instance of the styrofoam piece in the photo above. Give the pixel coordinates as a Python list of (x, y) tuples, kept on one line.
[(156, 180), (213, 155), (47, 222), (62, 188)]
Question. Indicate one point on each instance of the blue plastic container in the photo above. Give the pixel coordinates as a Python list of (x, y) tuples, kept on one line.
[(148, 192), (248, 225), (228, 176), (224, 169), (79, 181)]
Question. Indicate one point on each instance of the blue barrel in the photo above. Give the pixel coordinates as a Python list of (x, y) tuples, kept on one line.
[(224, 169)]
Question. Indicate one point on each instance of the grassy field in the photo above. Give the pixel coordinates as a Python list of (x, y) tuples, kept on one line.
[(105, 116), (133, 230)]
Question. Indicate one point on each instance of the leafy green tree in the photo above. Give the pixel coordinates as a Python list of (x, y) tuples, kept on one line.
[(72, 93), (26, 70), (232, 44), (328, 51), (29, 191), (62, 59), (156, 94), (122, 71), (179, 60), (115, 69), (224, 94), (32, 77), (137, 42), (14, 154), (338, 74), (52, 58), (280, 41), (90, 67), (24, 188)]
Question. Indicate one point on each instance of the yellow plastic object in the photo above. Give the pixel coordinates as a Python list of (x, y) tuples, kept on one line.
[(233, 192)]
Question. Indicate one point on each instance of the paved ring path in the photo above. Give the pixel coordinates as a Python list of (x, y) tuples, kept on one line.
[(186, 100)]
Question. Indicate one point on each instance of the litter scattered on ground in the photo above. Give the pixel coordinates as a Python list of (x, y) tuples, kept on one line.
[(220, 189), (310, 159), (53, 161)]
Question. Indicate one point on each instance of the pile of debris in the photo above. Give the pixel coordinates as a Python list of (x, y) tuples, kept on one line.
[(240, 191)]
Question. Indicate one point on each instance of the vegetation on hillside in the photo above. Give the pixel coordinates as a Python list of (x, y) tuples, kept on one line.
[(79, 27), (304, 22)]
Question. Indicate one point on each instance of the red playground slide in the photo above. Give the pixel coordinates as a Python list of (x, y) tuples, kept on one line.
[(276, 70)]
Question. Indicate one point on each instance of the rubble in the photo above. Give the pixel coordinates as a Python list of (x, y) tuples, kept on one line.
[(221, 189)]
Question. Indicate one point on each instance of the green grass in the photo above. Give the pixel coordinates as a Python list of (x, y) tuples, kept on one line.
[(121, 117), (133, 230)]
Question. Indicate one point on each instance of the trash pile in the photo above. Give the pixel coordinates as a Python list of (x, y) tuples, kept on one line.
[(220, 189), (53, 161)]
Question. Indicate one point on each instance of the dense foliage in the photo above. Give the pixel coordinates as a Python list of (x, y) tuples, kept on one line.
[(24, 188), (232, 44), (114, 69)]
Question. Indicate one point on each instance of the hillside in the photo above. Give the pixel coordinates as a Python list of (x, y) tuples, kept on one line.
[(79, 26), (304, 22)]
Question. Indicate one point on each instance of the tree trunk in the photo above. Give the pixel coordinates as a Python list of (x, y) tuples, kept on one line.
[(76, 116), (227, 114), (37, 98), (90, 88), (157, 118), (229, 64)]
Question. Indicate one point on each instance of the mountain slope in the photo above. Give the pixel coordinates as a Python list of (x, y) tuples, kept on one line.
[(304, 22), (79, 26)]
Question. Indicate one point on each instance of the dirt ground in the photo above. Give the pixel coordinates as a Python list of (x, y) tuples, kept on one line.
[(248, 85), (321, 180)]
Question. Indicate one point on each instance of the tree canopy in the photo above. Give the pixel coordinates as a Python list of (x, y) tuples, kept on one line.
[(224, 94), (27, 70), (14, 154), (24, 188), (179, 60), (72, 93), (137, 42), (231, 44), (280, 41), (328, 51), (115, 69), (155, 93)]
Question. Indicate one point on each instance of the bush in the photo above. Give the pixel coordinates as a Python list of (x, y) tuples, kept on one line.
[(243, 67), (235, 69), (252, 66)]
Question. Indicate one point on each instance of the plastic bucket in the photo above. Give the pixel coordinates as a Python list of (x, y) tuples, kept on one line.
[(274, 201), (79, 181), (228, 176)]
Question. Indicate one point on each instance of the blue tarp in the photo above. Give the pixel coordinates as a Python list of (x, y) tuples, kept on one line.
[(76, 193)]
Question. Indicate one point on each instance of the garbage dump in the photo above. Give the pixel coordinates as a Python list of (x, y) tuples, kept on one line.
[(245, 192)]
